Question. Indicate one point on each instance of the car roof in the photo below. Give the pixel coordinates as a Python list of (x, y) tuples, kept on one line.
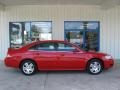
[(51, 41), (48, 41)]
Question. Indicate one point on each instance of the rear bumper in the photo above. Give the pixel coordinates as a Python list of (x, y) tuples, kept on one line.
[(108, 63), (11, 62)]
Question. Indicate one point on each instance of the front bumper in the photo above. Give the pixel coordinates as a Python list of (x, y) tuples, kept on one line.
[(108, 63)]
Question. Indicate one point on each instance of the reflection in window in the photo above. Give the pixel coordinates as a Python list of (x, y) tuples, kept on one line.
[(92, 40), (41, 31), (75, 37), (22, 33), (26, 32), (16, 34), (64, 47), (92, 25), (74, 25)]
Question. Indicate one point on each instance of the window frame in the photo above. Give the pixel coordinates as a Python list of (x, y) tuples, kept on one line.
[(55, 49), (10, 27)]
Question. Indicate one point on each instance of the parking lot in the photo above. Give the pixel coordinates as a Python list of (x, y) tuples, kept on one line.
[(12, 79)]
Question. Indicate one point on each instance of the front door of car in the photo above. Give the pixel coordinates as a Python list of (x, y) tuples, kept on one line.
[(69, 57), (45, 55)]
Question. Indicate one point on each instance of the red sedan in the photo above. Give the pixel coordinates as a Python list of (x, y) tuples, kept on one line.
[(56, 55)]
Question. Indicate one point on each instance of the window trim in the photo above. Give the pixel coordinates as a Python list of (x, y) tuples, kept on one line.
[(54, 50)]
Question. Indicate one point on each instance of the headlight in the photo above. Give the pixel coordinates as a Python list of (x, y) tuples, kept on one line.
[(108, 57)]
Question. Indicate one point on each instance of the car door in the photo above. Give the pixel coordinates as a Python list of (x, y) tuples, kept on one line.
[(45, 55), (70, 57)]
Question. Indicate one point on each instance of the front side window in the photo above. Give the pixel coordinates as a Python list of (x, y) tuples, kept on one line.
[(64, 47), (22, 33)]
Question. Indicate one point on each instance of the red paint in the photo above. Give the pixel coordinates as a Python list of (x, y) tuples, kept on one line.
[(54, 60)]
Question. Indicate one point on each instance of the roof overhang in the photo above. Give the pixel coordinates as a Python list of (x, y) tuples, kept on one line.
[(104, 4)]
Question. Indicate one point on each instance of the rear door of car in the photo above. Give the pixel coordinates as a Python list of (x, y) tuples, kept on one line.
[(45, 55)]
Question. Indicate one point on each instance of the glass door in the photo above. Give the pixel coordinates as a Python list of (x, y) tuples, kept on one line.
[(85, 34)]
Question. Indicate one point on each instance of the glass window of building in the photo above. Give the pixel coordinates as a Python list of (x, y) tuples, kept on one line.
[(22, 33), (41, 31)]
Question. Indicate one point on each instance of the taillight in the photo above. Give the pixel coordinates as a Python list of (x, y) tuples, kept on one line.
[(8, 55), (12, 51)]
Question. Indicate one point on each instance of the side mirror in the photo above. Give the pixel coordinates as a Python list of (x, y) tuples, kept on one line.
[(75, 50)]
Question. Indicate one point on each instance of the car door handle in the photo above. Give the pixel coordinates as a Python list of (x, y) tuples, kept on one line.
[(37, 54), (62, 55)]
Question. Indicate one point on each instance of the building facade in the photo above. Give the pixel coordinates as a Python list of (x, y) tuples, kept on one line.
[(62, 21)]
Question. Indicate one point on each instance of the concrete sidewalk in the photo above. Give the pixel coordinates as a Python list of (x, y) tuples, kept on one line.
[(12, 79)]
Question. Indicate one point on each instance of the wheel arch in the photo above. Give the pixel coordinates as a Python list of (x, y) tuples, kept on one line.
[(95, 59), (29, 60)]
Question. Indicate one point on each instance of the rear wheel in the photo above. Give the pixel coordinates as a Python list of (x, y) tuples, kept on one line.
[(28, 67), (94, 67)]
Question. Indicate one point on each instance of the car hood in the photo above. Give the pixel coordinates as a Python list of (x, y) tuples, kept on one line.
[(97, 53)]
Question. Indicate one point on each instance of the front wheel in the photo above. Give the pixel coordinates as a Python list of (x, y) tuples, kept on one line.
[(28, 67), (94, 67)]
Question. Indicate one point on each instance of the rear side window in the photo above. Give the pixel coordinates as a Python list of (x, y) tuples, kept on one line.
[(44, 46)]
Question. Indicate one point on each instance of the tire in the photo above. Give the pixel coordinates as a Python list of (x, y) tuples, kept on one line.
[(28, 67), (94, 67)]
